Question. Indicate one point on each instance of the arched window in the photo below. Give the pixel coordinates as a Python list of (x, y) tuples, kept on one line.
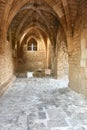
[(32, 45)]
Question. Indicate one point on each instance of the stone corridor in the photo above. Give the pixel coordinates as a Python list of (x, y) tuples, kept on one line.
[(42, 104)]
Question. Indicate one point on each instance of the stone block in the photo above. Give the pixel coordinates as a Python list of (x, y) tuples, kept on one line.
[(47, 71), (84, 54), (42, 115), (83, 44), (83, 63), (29, 74)]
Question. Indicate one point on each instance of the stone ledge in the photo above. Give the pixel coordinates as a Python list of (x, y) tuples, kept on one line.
[(6, 85)]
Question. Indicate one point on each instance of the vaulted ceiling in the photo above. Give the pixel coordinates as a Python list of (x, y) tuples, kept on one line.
[(43, 15), (35, 19)]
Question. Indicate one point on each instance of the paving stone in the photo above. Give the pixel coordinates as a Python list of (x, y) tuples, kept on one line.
[(56, 123), (28, 128), (81, 128), (42, 104), (56, 113), (39, 126), (77, 128), (31, 119), (21, 121), (42, 115), (40, 108)]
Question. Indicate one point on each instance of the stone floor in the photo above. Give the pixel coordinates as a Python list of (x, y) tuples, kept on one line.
[(42, 104)]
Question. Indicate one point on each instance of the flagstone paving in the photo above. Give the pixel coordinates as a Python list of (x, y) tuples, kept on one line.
[(42, 104)]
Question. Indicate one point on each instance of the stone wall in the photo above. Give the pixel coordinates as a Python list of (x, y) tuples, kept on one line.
[(62, 55), (78, 59), (62, 65), (6, 67), (74, 65), (78, 64), (33, 60)]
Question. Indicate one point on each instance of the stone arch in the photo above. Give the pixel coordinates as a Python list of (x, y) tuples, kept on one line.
[(53, 5), (32, 45), (39, 27)]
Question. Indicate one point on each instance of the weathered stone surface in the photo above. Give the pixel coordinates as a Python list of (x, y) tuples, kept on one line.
[(51, 23), (42, 115), (41, 104)]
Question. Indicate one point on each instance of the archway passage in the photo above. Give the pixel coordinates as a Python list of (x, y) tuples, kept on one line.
[(45, 24), (35, 38), (59, 27), (48, 38), (32, 45)]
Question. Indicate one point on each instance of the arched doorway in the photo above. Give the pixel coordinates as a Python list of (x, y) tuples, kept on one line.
[(35, 20)]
